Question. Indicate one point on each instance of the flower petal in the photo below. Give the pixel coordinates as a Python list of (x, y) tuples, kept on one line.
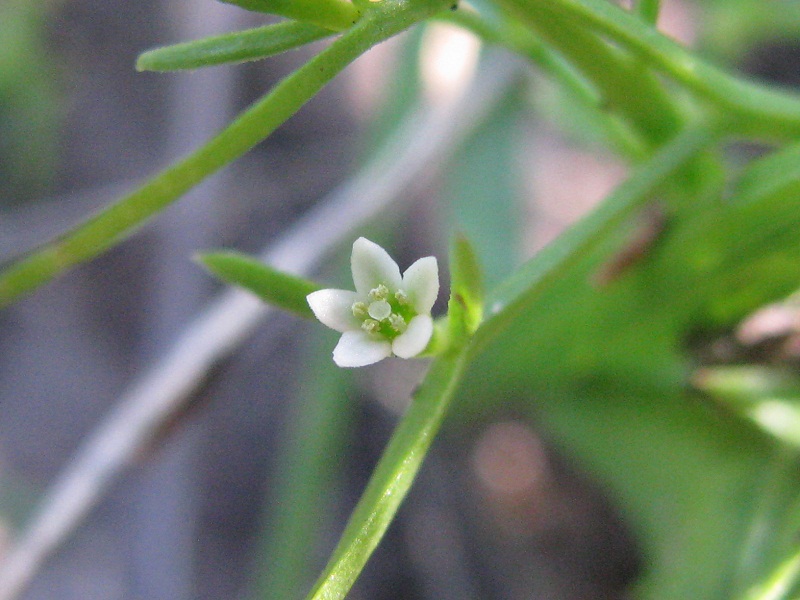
[(358, 349), (335, 309), (415, 338), (421, 284), (371, 266)]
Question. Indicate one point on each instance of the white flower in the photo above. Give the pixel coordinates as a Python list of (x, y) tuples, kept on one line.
[(387, 315)]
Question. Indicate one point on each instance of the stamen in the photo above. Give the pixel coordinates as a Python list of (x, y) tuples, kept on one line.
[(360, 310), (397, 323), (381, 292), (401, 297), (370, 326)]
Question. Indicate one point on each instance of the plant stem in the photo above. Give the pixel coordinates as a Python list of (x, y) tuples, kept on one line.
[(118, 221), (749, 108), (393, 476), (625, 86)]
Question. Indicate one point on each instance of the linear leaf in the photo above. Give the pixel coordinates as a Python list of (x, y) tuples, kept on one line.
[(273, 287), (331, 14), (240, 46)]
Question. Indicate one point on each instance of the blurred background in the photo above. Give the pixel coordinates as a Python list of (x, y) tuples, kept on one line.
[(201, 513)]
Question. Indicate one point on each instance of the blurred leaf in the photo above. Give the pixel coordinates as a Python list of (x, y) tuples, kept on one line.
[(273, 287), (29, 102), (732, 258), (601, 365), (781, 583), (648, 10), (770, 398), (314, 451), (240, 46), (481, 196), (466, 282)]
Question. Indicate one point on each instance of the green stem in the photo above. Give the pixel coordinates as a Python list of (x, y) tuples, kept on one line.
[(518, 39), (522, 41), (393, 476), (759, 110), (116, 222), (625, 85)]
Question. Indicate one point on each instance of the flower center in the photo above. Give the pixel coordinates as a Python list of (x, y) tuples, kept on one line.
[(384, 313)]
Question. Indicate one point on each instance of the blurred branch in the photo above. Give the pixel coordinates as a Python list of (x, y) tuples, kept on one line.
[(422, 143)]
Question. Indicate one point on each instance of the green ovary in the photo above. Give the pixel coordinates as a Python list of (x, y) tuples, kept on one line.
[(386, 314)]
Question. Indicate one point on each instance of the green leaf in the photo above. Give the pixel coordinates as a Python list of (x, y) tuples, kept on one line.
[(648, 10), (734, 258), (393, 476), (113, 224), (781, 583), (747, 107), (337, 15), (240, 46), (768, 396), (273, 287), (481, 193), (519, 292), (466, 282)]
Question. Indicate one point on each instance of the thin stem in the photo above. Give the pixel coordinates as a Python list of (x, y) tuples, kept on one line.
[(522, 41), (425, 140), (115, 223), (750, 108), (625, 86), (393, 476)]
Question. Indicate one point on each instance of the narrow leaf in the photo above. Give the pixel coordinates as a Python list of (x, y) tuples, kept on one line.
[(274, 287), (240, 46), (521, 290), (118, 221), (331, 14), (466, 284)]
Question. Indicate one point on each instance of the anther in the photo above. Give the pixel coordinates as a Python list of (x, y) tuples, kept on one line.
[(360, 310), (370, 326), (397, 323), (381, 292)]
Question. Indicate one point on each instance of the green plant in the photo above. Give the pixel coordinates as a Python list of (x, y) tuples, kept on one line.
[(596, 336)]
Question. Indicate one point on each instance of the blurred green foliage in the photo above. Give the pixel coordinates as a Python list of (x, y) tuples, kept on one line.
[(29, 102), (598, 338)]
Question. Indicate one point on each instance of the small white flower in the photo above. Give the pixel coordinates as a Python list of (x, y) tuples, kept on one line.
[(387, 315)]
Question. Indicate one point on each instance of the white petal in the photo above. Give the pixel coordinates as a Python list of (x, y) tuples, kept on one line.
[(335, 308), (358, 349), (421, 284), (415, 338), (371, 266)]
